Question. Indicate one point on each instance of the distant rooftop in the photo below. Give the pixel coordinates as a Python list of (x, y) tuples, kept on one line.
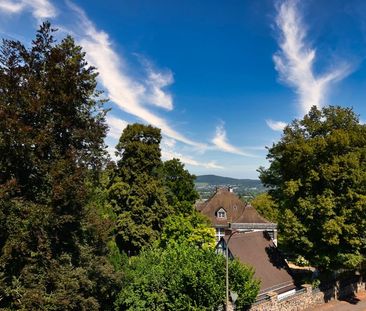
[(236, 211)]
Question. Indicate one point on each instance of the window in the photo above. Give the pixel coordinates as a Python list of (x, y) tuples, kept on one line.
[(221, 213), (220, 232)]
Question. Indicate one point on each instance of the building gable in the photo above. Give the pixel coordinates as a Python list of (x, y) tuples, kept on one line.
[(236, 211)]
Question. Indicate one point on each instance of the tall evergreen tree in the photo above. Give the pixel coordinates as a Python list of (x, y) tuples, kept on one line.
[(137, 193), (317, 176), (52, 256)]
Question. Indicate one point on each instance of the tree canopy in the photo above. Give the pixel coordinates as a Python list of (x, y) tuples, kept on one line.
[(52, 250), (145, 185), (179, 183), (317, 176), (139, 152), (266, 206), (136, 192), (182, 277), (68, 218), (194, 229)]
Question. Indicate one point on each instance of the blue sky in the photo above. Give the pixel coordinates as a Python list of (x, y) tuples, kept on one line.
[(220, 78)]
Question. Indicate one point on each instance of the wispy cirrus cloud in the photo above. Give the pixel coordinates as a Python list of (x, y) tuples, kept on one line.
[(40, 8), (155, 83), (276, 125), (295, 59), (132, 95), (168, 152), (220, 141), (116, 126), (128, 94)]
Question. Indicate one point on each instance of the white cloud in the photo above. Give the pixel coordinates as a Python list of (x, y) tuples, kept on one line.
[(170, 154), (156, 82), (11, 7), (167, 153), (276, 125), (124, 91), (221, 143), (116, 126), (167, 142), (129, 94), (112, 153), (295, 59), (40, 9)]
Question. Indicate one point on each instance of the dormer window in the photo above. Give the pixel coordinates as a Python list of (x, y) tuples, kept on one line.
[(221, 213)]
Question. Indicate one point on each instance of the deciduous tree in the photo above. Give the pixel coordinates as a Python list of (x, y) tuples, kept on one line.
[(180, 188), (318, 175), (266, 206), (194, 229), (183, 277)]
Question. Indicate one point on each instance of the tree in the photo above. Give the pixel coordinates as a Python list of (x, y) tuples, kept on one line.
[(181, 192), (139, 152), (194, 229), (183, 277), (52, 252), (266, 206), (136, 192), (318, 175)]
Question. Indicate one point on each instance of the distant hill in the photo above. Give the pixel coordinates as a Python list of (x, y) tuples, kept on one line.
[(206, 185), (220, 180)]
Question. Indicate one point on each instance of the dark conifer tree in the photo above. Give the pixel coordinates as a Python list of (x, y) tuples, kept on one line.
[(51, 137)]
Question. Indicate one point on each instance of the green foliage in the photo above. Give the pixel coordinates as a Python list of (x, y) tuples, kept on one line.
[(243, 283), (136, 192), (181, 192), (318, 177), (144, 190), (139, 150), (266, 206), (315, 283), (301, 261), (182, 277), (141, 209), (193, 229), (53, 253)]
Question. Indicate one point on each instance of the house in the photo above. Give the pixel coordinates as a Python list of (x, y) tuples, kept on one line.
[(250, 238), (226, 212)]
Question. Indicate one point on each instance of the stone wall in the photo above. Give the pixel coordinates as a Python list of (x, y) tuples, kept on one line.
[(299, 301), (307, 297)]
